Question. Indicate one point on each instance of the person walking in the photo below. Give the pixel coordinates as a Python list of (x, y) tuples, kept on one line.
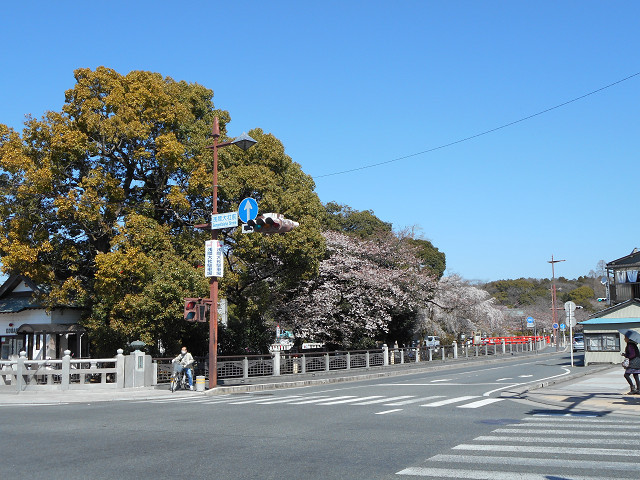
[(632, 353)]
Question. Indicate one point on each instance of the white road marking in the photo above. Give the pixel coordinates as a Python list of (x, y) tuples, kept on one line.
[(348, 400), (304, 402), (383, 400), (481, 403), (546, 440), (542, 462), (449, 400), (413, 400), (550, 450), (482, 474), (441, 380), (388, 411), (256, 400)]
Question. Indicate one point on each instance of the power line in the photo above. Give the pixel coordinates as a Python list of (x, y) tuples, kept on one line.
[(486, 132)]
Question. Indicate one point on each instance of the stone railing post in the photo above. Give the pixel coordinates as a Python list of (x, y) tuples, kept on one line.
[(120, 368), (20, 371), (443, 352), (402, 355), (66, 370), (348, 360), (455, 349), (304, 363), (417, 354), (430, 354), (366, 359), (504, 350), (245, 367), (326, 362), (385, 355), (276, 363)]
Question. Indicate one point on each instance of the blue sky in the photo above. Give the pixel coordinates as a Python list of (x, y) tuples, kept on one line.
[(353, 83)]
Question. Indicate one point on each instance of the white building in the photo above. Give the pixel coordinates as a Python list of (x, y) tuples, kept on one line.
[(26, 325)]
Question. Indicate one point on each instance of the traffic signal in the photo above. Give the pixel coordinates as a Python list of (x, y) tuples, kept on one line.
[(602, 299), (192, 310), (272, 223)]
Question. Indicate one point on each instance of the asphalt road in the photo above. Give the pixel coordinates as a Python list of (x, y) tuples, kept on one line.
[(444, 424)]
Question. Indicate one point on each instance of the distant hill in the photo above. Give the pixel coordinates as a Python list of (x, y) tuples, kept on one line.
[(533, 297)]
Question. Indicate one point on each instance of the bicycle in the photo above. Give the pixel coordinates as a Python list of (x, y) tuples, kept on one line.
[(179, 377)]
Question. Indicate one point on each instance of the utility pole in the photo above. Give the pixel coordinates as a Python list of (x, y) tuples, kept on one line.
[(554, 316)]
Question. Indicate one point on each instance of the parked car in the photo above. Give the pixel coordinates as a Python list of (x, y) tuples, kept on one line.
[(578, 342), (432, 341)]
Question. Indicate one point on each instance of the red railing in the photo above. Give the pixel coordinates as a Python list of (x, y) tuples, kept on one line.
[(513, 340)]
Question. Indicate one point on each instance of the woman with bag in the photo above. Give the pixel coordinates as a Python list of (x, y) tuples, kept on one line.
[(632, 365)]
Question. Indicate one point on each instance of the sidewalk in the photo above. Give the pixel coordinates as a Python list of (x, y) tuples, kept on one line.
[(599, 391)]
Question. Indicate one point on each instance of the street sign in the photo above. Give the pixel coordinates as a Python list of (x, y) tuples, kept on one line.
[(213, 258), (569, 306), (555, 326), (247, 228), (530, 322), (563, 327), (224, 220), (248, 209)]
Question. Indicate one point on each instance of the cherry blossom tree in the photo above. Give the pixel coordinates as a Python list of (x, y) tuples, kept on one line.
[(458, 307), (362, 287)]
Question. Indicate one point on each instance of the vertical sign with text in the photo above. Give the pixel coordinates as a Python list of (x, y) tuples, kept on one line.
[(213, 258)]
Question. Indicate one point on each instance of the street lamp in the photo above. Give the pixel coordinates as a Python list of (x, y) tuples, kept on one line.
[(244, 142)]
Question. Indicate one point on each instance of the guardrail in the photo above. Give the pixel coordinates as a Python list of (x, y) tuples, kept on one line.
[(280, 362), (64, 374)]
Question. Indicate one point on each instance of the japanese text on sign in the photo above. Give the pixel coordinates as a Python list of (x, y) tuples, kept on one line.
[(213, 258)]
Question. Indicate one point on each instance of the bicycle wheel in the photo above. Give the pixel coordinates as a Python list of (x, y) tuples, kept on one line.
[(174, 382)]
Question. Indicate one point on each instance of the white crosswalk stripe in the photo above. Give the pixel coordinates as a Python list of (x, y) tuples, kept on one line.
[(448, 401), (324, 400), (528, 450)]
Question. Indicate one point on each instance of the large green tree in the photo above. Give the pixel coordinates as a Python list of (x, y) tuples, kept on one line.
[(99, 203)]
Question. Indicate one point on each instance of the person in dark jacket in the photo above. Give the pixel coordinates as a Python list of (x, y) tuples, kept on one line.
[(631, 352)]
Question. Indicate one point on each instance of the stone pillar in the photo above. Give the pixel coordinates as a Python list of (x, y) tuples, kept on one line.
[(276, 363), (348, 360), (455, 349), (20, 371), (120, 368), (66, 370), (385, 355)]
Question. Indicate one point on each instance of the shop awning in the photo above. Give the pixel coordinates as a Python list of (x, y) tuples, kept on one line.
[(59, 328)]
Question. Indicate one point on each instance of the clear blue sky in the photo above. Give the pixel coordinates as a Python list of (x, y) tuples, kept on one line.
[(345, 84)]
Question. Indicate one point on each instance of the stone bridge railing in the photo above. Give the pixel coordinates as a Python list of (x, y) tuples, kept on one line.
[(134, 370)]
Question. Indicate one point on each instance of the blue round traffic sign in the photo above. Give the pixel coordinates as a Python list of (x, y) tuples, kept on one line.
[(555, 326), (248, 210)]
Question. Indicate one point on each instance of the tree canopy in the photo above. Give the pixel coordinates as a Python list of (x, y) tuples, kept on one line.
[(99, 203)]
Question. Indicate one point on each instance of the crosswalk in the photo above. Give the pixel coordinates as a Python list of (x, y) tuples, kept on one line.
[(567, 447), (324, 400)]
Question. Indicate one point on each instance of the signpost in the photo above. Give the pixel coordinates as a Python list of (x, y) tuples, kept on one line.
[(224, 220), (213, 258), (570, 307), (248, 210)]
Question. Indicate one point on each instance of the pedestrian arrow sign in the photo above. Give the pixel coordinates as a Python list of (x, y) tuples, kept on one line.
[(248, 210), (530, 322)]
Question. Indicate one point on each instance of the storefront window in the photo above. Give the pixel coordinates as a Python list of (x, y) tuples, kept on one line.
[(602, 342)]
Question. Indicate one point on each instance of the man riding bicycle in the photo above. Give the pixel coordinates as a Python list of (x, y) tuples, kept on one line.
[(185, 359)]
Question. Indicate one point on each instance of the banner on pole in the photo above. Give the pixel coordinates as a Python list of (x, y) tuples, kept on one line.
[(213, 258)]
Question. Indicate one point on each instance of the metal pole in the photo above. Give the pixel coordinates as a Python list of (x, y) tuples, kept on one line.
[(213, 283), (553, 292)]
